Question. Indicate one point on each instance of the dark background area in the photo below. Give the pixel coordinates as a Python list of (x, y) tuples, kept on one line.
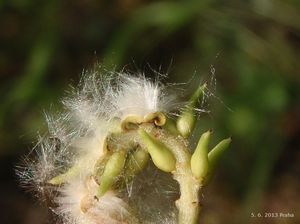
[(251, 47)]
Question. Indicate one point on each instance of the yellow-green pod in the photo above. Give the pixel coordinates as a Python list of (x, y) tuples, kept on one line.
[(161, 156), (112, 169), (187, 120), (100, 164), (65, 177), (170, 126), (199, 160), (136, 162), (215, 155)]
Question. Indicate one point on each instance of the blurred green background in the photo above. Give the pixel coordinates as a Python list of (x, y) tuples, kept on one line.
[(251, 48)]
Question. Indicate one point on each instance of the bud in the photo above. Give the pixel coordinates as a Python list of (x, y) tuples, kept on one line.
[(199, 160), (112, 169), (187, 119), (161, 156)]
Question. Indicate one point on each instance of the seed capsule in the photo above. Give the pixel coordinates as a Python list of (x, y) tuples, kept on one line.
[(170, 126), (161, 156), (136, 162), (186, 122), (187, 119), (65, 177), (199, 160), (112, 169), (215, 155)]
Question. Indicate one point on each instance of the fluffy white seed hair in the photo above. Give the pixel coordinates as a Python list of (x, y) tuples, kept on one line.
[(77, 204), (76, 138), (116, 96), (139, 96)]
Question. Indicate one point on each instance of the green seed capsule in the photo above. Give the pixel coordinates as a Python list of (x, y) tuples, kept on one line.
[(161, 156), (65, 177), (136, 162), (199, 160), (170, 126), (112, 169), (100, 164), (215, 155), (187, 120)]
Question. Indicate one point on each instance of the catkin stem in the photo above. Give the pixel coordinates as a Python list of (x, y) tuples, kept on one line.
[(188, 204)]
